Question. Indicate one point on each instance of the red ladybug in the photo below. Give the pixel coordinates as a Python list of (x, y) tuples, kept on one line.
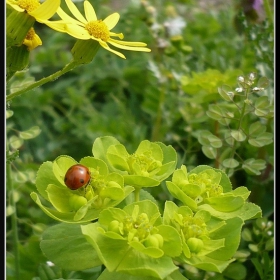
[(77, 176)]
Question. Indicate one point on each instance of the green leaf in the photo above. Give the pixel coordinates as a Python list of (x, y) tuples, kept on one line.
[(118, 256), (84, 51), (45, 176), (208, 264), (66, 247), (258, 266), (59, 197), (9, 113), (262, 140), (140, 181), (172, 245), (230, 163), (228, 138), (15, 142), (97, 164), (30, 133), (116, 154), (210, 152), (235, 271), (155, 149), (238, 135), (247, 235), (78, 217), (60, 166), (202, 137), (262, 106), (256, 129), (215, 112), (253, 166), (17, 59), (246, 212), (232, 232), (263, 82), (149, 251), (206, 138), (179, 194), (226, 203), (101, 145), (269, 245), (226, 92), (215, 142), (107, 275)]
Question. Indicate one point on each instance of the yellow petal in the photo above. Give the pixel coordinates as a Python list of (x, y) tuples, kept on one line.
[(112, 20), (77, 31), (129, 48), (89, 11), (105, 46), (126, 43), (58, 25), (119, 35), (46, 10), (74, 10), (15, 6), (33, 43), (67, 18)]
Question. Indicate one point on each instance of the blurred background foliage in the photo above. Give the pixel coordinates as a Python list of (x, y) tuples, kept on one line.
[(197, 47)]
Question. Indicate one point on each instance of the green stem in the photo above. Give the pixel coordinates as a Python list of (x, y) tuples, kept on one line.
[(268, 11), (70, 66), (137, 194), (158, 121), (14, 220)]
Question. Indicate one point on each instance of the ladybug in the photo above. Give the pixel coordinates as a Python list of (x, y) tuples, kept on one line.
[(77, 176)]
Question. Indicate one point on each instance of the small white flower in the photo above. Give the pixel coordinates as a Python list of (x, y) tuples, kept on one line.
[(252, 76), (175, 26), (241, 79), (239, 89)]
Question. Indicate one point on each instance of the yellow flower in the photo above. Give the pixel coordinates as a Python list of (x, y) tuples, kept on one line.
[(34, 8), (89, 27), (32, 40)]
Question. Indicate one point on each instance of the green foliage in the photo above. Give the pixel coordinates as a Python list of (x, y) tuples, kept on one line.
[(137, 239)]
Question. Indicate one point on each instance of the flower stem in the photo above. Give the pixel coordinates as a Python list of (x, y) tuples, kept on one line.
[(70, 66), (137, 194), (14, 220), (268, 11)]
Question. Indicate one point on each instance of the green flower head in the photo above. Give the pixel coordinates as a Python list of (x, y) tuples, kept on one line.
[(210, 189), (151, 163), (134, 232), (83, 204), (203, 236)]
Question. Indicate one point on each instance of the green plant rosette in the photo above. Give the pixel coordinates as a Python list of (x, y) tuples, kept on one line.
[(151, 163), (134, 241), (208, 243), (207, 188), (84, 204)]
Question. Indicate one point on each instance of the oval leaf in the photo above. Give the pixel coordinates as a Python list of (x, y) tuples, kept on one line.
[(210, 152), (230, 163), (238, 135)]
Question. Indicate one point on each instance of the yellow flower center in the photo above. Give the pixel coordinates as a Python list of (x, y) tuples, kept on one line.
[(28, 5), (30, 34), (98, 29)]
